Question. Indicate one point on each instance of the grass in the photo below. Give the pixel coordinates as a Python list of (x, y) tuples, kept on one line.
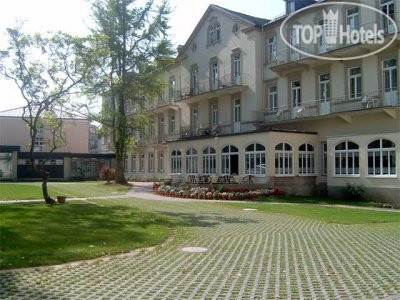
[(13, 191), (39, 235), (325, 214), (316, 200)]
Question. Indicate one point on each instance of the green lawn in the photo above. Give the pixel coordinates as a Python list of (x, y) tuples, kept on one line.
[(12, 191), (325, 214), (38, 235), (316, 200)]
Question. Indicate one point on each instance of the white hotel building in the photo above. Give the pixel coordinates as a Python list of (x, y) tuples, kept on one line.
[(239, 101)]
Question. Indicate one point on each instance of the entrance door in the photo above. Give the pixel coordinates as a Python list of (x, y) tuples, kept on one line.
[(391, 95), (324, 94), (236, 116)]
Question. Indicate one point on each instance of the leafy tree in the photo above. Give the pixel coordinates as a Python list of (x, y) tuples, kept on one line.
[(47, 71), (129, 50)]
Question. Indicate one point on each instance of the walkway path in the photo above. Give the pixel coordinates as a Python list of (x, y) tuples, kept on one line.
[(251, 255), (144, 190)]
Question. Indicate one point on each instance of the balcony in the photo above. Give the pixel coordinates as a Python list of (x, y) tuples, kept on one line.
[(316, 108), (288, 58), (226, 84), (158, 139)]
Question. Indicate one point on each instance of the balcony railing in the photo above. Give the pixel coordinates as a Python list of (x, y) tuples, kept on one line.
[(211, 85), (290, 55), (374, 99)]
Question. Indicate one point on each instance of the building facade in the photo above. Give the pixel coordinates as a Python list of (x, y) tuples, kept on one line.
[(241, 101), (77, 158)]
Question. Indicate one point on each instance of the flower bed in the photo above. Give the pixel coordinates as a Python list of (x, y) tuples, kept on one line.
[(185, 191)]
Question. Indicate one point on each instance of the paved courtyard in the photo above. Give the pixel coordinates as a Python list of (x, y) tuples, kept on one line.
[(251, 255)]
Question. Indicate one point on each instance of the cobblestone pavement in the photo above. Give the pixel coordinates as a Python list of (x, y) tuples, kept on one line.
[(251, 255)]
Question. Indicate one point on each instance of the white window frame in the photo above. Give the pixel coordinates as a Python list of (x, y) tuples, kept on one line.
[(296, 93), (271, 49), (191, 162), (307, 160), (294, 54), (172, 88), (284, 161), (226, 159), (352, 17), (214, 114), (380, 152), (324, 85), (272, 98), (176, 162), (251, 157), (346, 154), (142, 163), (194, 120), (355, 78), (209, 159), (171, 124), (390, 71), (150, 162)]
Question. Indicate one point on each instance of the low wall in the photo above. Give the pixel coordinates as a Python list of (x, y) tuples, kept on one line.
[(295, 185)]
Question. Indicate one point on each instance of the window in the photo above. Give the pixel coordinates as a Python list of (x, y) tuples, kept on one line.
[(381, 158), (194, 76), (191, 161), (390, 75), (171, 123), (295, 43), (195, 119), (236, 68), (161, 126), (272, 98), (209, 161), (255, 159), (227, 156), (322, 38), (126, 164), (291, 7), (324, 87), (141, 166), (176, 162), (194, 47), (160, 161), (172, 88), (387, 7), (133, 163), (235, 29), (271, 49), (38, 145), (214, 75), (347, 161), (296, 93), (217, 32), (214, 114), (151, 162), (306, 160), (324, 159), (353, 18), (283, 159), (214, 33), (355, 82)]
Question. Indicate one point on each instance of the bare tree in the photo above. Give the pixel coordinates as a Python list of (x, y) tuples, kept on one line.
[(47, 71)]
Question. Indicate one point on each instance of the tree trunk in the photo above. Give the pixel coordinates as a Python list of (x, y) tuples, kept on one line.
[(119, 171), (46, 196)]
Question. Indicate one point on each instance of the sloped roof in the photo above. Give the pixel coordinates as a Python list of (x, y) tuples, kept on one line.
[(258, 22)]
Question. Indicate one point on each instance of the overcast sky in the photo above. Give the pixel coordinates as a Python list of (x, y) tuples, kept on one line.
[(73, 16)]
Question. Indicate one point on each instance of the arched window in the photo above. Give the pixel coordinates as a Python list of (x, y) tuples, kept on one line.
[(217, 32), (283, 159), (211, 35), (381, 158), (306, 159), (191, 161), (209, 161), (227, 159), (255, 159), (347, 159), (176, 162)]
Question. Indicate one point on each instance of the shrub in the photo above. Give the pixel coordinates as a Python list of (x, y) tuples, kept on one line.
[(354, 192), (107, 174)]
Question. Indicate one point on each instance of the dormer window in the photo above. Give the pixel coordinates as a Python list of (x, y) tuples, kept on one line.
[(235, 29), (291, 7)]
